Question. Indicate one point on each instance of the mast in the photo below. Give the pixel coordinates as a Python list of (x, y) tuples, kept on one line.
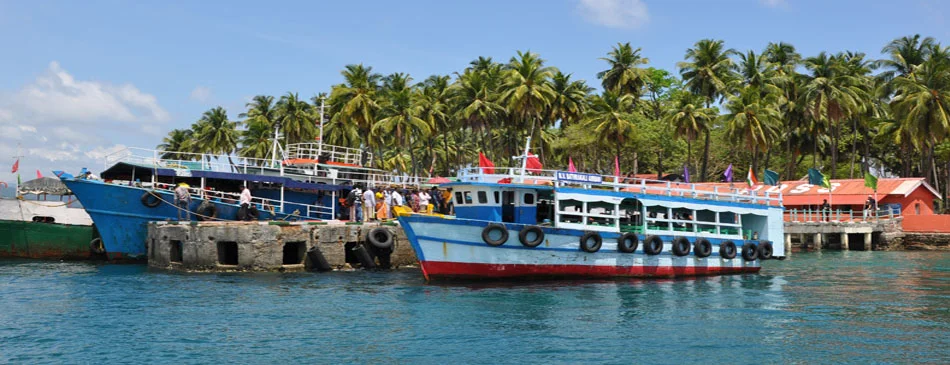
[(524, 158), (320, 145)]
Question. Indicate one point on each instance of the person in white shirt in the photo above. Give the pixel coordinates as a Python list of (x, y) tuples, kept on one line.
[(397, 198), (424, 198), (369, 204), (388, 200)]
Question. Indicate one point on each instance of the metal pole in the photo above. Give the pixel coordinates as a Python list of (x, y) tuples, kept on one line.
[(320, 145), (524, 158)]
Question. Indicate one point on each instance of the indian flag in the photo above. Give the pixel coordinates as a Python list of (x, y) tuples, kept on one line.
[(750, 178)]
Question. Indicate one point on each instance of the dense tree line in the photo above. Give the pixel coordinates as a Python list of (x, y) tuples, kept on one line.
[(844, 113)]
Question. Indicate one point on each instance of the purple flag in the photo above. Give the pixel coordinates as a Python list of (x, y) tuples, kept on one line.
[(728, 173), (686, 173)]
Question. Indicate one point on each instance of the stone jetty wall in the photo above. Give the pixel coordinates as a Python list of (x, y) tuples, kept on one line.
[(262, 246)]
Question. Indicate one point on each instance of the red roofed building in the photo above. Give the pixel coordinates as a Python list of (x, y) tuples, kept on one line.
[(913, 195)]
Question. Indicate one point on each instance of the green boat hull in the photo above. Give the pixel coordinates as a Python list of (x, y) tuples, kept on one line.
[(45, 240)]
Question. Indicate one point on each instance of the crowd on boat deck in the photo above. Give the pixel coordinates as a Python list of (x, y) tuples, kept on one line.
[(376, 203)]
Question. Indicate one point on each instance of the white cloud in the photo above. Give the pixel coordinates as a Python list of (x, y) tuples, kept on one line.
[(201, 94), (615, 13), (101, 152), (774, 3)]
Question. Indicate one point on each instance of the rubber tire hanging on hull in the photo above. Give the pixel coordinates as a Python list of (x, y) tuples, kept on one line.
[(764, 250), (96, 246), (538, 236), (653, 245), (727, 250), (151, 199), (486, 234), (749, 252), (624, 246), (681, 246), (207, 210), (586, 246), (380, 238), (702, 247)]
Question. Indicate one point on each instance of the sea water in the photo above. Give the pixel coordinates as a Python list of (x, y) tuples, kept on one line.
[(828, 307)]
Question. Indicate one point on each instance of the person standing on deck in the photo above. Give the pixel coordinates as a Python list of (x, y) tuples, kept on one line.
[(245, 203), (397, 198), (182, 200), (388, 202), (424, 202), (369, 204)]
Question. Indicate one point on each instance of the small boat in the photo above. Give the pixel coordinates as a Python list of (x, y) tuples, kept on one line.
[(44, 222), (512, 224)]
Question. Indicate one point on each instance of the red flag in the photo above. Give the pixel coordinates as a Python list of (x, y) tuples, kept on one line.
[(485, 164), (533, 164), (16, 166), (570, 165), (38, 174), (616, 165)]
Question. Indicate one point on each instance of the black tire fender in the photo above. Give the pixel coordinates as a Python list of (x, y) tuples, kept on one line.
[(151, 199), (207, 210), (764, 250), (586, 244), (538, 236), (749, 252), (681, 246), (96, 246), (702, 247), (727, 250), (653, 245), (628, 242), (380, 238), (486, 234)]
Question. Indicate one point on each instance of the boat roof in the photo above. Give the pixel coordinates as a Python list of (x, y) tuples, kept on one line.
[(124, 171)]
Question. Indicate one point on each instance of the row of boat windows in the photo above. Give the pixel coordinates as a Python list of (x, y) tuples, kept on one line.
[(465, 197)]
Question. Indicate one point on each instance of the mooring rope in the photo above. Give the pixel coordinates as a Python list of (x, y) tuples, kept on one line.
[(158, 196)]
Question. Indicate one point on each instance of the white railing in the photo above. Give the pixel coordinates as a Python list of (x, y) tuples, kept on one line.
[(644, 186), (838, 215), (270, 205), (189, 161), (313, 151)]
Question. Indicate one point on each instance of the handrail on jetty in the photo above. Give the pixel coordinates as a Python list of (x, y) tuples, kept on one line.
[(636, 185), (838, 215)]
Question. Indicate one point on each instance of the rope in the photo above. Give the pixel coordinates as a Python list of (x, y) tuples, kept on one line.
[(159, 197)]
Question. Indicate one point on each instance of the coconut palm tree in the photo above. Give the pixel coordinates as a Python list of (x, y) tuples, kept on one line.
[(401, 123), (906, 53), (527, 90), (256, 142), (434, 101), (612, 118), (354, 101), (261, 110), (296, 119), (624, 76), (568, 104), (175, 145), (477, 104), (707, 72), (752, 119), (215, 134), (922, 104), (689, 118)]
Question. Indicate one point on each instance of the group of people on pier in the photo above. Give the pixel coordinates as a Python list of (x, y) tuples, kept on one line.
[(375, 204)]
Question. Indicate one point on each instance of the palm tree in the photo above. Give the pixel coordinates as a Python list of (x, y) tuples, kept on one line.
[(623, 76), (689, 118), (784, 60), (434, 101), (175, 145), (568, 104), (476, 102), (401, 121), (354, 101), (922, 104), (752, 119), (296, 119), (906, 53), (216, 134), (260, 110), (611, 117), (527, 90), (708, 73), (830, 94), (256, 141)]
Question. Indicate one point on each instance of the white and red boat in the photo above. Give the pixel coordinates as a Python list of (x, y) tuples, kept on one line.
[(566, 224)]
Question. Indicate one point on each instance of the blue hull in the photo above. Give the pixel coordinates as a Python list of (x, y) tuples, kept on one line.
[(122, 220)]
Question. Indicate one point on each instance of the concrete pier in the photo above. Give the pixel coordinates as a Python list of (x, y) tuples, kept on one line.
[(265, 246), (849, 235)]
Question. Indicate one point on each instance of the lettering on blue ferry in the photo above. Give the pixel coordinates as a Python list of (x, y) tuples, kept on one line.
[(579, 177)]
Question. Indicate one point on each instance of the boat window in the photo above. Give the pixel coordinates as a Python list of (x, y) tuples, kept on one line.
[(468, 197), (482, 197), (570, 205), (528, 198), (496, 196), (458, 198)]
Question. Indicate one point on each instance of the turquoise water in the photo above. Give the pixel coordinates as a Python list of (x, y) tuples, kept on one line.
[(831, 307)]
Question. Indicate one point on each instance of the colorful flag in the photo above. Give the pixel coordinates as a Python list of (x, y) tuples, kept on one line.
[(38, 174), (815, 177), (487, 166), (728, 173), (870, 181), (686, 173), (771, 177), (533, 164), (570, 165), (16, 166), (825, 183), (616, 165), (750, 178)]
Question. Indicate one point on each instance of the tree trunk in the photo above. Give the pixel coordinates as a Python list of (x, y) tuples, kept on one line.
[(659, 163), (636, 162), (834, 151), (867, 149), (702, 174), (854, 144), (445, 151)]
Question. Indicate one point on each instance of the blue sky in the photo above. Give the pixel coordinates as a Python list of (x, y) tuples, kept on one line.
[(81, 79)]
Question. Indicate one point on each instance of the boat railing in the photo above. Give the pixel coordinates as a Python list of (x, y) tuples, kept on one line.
[(621, 183), (189, 161), (271, 205), (345, 155)]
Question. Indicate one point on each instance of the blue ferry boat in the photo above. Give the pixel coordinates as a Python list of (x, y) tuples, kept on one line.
[(137, 187), (509, 224)]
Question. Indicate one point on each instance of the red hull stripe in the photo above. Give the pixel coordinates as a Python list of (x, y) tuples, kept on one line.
[(442, 269)]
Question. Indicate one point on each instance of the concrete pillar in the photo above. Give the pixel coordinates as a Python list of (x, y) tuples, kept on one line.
[(817, 241), (867, 241), (844, 242), (803, 240)]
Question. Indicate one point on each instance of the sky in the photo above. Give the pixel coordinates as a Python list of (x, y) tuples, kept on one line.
[(83, 79)]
